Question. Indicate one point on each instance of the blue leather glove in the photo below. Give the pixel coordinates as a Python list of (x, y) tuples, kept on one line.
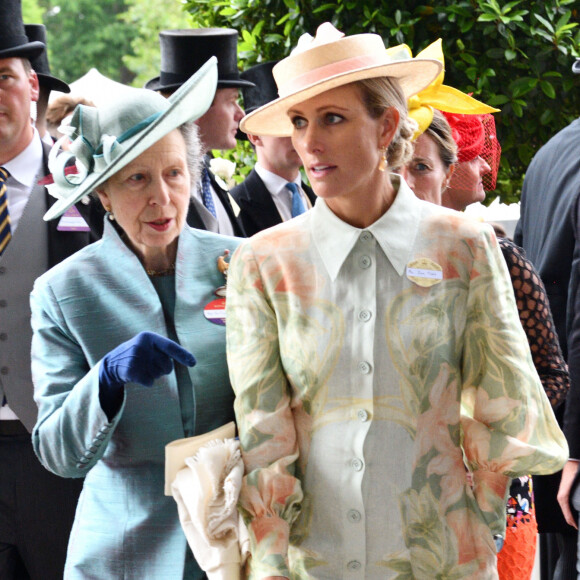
[(142, 360)]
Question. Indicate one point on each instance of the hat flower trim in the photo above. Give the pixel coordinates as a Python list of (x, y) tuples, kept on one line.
[(88, 160), (325, 33), (439, 96), (65, 181)]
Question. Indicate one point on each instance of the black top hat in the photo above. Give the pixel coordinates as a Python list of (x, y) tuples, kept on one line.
[(13, 39), (264, 89), (183, 52), (37, 32), (576, 67)]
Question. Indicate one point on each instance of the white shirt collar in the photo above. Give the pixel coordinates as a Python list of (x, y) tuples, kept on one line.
[(25, 166), (274, 183), (395, 231)]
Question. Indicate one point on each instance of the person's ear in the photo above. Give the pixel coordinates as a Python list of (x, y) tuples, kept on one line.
[(389, 124), (34, 86), (104, 199), (448, 176), (255, 140)]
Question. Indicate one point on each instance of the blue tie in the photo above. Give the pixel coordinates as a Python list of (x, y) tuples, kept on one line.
[(206, 192), (5, 230), (297, 203)]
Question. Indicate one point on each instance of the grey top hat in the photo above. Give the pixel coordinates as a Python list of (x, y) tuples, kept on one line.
[(37, 32), (184, 51), (13, 39)]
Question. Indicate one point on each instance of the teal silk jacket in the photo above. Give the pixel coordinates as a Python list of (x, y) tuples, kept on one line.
[(83, 308)]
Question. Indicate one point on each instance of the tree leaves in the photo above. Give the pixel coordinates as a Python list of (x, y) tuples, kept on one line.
[(515, 54)]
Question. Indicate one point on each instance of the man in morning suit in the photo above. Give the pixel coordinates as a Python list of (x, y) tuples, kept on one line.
[(273, 192), (549, 231), (36, 507), (182, 53)]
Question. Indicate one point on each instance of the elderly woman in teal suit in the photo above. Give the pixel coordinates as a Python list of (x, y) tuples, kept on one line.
[(124, 360)]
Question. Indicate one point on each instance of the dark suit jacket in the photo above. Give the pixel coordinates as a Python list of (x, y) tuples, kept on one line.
[(62, 245), (194, 219), (549, 232), (257, 208)]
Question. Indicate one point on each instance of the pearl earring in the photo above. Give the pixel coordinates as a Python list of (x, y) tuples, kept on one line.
[(383, 163)]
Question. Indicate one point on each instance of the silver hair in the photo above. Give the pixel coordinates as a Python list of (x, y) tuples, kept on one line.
[(190, 133)]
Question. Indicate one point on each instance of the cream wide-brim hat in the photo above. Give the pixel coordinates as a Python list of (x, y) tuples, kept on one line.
[(331, 60), (106, 140)]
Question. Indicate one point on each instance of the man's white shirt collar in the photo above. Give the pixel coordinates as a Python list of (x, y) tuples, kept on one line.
[(24, 167), (274, 183)]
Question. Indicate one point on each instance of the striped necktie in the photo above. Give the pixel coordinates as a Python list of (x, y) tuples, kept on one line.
[(297, 203), (5, 231)]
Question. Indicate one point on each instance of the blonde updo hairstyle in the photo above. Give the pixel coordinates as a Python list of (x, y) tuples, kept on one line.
[(379, 94)]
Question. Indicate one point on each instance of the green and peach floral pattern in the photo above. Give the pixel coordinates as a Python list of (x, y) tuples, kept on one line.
[(464, 390)]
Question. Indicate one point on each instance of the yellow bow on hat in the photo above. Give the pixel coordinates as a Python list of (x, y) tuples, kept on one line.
[(437, 95)]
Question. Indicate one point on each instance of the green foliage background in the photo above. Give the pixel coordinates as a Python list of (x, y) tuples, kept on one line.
[(82, 34), (514, 55)]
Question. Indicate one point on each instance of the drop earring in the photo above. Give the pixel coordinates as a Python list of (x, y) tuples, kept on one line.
[(383, 163), (111, 216)]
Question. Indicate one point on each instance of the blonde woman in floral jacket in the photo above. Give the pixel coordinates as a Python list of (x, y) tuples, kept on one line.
[(374, 347)]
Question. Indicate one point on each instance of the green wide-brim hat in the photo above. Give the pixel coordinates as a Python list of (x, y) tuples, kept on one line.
[(105, 140)]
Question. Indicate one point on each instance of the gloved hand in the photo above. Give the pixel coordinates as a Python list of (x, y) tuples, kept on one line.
[(142, 360)]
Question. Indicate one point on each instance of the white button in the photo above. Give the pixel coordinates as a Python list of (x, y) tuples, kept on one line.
[(366, 236), (364, 368), (354, 516), (362, 415), (364, 315), (364, 262), (354, 565), (357, 464)]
